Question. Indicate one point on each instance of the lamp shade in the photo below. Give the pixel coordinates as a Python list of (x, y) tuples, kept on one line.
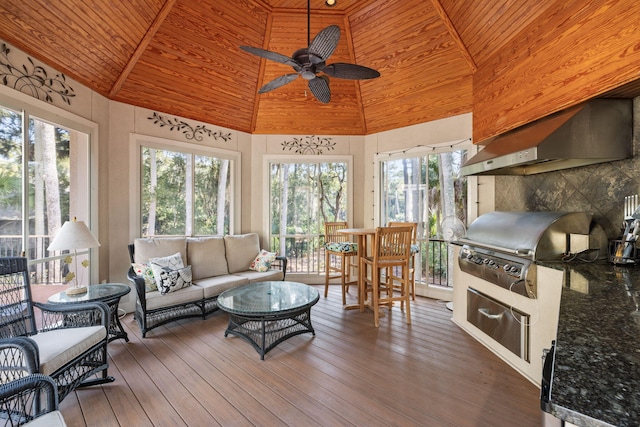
[(73, 235)]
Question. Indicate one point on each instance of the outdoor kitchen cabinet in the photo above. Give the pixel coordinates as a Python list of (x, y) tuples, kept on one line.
[(542, 316)]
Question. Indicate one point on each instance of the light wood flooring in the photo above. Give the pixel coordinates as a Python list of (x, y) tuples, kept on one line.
[(427, 374)]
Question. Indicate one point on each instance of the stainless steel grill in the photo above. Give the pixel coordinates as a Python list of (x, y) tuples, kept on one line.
[(503, 247)]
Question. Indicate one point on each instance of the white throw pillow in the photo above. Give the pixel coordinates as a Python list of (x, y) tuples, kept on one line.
[(171, 262), (169, 280)]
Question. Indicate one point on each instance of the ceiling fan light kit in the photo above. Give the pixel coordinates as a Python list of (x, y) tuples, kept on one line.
[(331, 3), (308, 62)]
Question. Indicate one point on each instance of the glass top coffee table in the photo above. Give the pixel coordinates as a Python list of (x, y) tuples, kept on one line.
[(267, 313)]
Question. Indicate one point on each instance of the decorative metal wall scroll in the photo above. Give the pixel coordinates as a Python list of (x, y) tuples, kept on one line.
[(188, 131), (309, 145), (32, 79)]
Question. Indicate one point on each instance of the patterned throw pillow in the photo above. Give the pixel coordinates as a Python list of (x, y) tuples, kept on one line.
[(172, 262), (263, 261), (169, 280), (343, 247), (144, 271)]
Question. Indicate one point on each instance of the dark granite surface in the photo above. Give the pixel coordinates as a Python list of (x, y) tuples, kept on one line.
[(596, 377)]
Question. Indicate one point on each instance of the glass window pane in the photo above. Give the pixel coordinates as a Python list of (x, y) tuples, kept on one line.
[(212, 186), (11, 182)]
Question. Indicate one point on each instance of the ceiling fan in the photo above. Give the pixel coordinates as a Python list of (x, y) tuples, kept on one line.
[(311, 60)]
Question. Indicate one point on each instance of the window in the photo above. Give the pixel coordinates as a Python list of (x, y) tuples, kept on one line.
[(302, 196), (185, 190), (45, 180), (425, 189)]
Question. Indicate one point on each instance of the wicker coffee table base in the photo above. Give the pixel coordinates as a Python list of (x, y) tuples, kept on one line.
[(265, 332)]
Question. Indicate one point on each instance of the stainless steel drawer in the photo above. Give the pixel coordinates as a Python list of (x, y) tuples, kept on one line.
[(503, 323)]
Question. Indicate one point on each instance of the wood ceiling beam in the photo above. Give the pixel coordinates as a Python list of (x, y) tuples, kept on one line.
[(142, 46), (454, 34)]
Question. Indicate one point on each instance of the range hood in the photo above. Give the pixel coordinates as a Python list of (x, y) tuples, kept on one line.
[(594, 132)]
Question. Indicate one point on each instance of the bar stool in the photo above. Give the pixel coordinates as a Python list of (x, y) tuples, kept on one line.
[(341, 251), (415, 248), (391, 249)]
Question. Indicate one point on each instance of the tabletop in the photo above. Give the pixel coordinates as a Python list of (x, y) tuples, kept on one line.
[(357, 231), (268, 297), (101, 292)]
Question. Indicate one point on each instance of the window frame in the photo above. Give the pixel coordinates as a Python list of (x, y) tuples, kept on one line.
[(34, 108), (137, 141), (277, 158)]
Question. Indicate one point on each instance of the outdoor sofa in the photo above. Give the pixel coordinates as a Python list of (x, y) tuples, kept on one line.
[(206, 267)]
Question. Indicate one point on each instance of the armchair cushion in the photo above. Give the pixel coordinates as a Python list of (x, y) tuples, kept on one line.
[(51, 419), (59, 346)]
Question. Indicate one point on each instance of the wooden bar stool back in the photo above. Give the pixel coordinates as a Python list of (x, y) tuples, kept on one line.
[(391, 249), (339, 252), (415, 248)]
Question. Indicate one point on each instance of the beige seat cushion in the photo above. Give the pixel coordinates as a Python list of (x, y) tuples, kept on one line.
[(257, 276), (59, 346), (206, 255), (242, 250), (213, 286), (51, 419), (145, 248), (189, 294)]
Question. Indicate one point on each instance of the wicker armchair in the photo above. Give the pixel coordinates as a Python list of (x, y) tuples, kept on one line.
[(69, 344), (32, 401)]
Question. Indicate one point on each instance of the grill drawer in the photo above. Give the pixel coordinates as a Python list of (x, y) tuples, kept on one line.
[(503, 323)]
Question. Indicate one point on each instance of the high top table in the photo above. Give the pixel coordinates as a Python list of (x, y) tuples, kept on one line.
[(361, 235), (267, 313)]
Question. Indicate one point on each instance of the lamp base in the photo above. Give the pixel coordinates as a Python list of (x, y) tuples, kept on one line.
[(76, 290)]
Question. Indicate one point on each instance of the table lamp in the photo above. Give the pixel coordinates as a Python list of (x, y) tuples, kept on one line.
[(72, 236)]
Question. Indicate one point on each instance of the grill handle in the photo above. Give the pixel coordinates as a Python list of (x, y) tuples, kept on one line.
[(519, 252)]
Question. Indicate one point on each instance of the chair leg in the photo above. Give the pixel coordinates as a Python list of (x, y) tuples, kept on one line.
[(344, 275), (375, 277), (326, 274)]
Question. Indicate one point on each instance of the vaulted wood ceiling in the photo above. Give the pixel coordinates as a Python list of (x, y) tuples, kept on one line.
[(182, 57)]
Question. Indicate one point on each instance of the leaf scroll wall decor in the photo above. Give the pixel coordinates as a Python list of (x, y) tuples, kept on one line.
[(309, 145), (32, 79), (197, 133)]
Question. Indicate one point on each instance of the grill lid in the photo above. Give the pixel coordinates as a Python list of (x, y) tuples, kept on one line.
[(538, 235)]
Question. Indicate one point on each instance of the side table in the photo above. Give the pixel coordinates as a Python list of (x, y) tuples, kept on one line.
[(109, 293)]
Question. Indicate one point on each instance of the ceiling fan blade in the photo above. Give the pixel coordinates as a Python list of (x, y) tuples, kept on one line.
[(320, 89), (325, 42), (350, 71), (276, 83), (272, 56)]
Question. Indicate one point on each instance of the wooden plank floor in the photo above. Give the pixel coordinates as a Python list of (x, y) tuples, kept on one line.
[(427, 374)]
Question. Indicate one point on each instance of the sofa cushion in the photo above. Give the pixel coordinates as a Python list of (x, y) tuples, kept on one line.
[(263, 261), (242, 249), (206, 255), (147, 248), (258, 276), (213, 286), (157, 300), (59, 346)]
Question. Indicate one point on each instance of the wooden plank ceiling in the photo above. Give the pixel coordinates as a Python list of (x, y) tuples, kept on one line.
[(181, 57)]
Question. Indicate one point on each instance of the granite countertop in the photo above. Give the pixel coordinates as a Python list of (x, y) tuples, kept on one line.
[(596, 379)]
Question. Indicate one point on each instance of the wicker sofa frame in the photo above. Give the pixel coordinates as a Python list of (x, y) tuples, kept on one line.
[(20, 355), (149, 319)]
